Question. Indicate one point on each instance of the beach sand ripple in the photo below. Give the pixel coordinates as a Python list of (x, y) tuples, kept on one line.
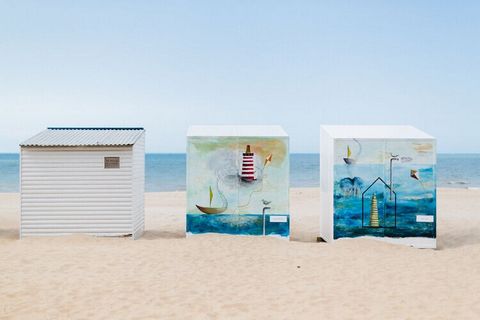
[(164, 275)]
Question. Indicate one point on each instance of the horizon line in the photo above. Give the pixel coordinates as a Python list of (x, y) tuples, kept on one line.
[(166, 153)]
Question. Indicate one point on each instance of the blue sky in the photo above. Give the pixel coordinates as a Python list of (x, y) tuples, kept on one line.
[(166, 65)]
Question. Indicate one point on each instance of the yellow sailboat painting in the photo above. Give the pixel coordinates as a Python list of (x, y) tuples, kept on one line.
[(212, 210), (349, 160)]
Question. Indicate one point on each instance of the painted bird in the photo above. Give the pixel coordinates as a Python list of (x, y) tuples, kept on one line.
[(265, 202)]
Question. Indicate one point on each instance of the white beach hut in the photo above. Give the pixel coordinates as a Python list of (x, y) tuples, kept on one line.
[(83, 180), (378, 182)]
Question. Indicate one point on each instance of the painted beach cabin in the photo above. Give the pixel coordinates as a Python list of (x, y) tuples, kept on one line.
[(238, 180), (379, 182), (83, 180)]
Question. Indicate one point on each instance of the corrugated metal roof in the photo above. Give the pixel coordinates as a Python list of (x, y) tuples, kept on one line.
[(84, 137)]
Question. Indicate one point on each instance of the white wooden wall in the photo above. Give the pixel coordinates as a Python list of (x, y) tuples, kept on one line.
[(326, 185), (138, 174), (66, 192)]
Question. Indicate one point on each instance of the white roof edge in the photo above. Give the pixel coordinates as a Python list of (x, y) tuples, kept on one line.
[(85, 137), (236, 131), (375, 132), (24, 142), (139, 136)]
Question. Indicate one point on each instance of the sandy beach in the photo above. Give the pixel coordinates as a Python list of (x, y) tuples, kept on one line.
[(165, 275)]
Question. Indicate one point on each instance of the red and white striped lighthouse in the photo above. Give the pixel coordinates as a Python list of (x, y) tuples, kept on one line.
[(248, 165)]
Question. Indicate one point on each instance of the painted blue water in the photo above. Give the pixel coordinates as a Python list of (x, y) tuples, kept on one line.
[(397, 210), (238, 224), (349, 221), (166, 172)]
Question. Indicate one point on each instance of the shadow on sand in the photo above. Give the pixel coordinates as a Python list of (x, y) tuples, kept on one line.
[(301, 238), (10, 234), (458, 239), (153, 235)]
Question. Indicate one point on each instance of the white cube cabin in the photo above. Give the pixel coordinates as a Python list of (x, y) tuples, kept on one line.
[(83, 181), (238, 180), (379, 182)]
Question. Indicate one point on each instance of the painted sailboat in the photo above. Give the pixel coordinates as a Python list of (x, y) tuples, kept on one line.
[(349, 159), (214, 210)]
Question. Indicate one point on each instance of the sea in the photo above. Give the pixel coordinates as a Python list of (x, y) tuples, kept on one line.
[(166, 172)]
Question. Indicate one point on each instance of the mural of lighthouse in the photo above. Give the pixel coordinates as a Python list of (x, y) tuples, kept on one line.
[(378, 182), (374, 212), (237, 184), (248, 166), (388, 191)]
